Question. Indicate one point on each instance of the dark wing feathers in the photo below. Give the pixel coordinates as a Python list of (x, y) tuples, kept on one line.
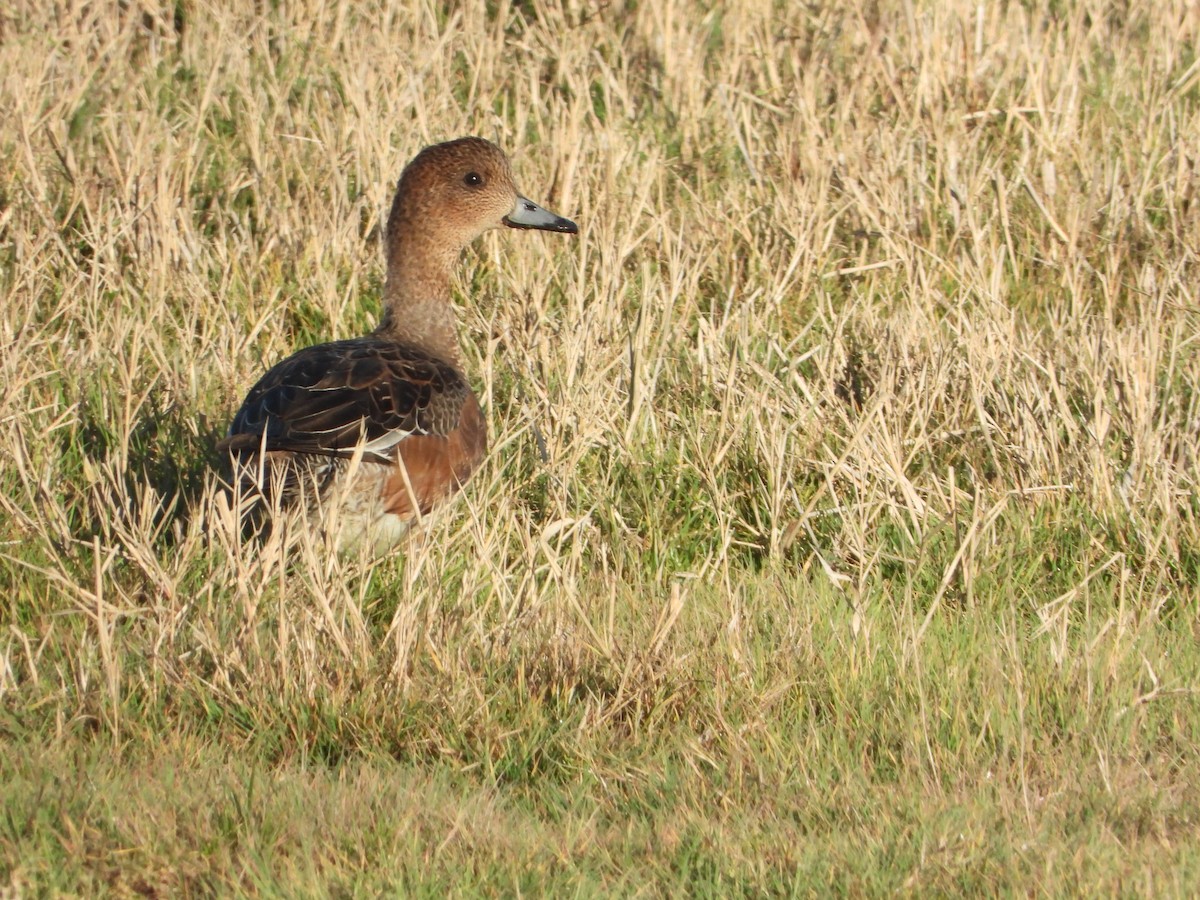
[(328, 398)]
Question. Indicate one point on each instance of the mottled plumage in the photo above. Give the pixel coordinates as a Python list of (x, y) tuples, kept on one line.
[(329, 398)]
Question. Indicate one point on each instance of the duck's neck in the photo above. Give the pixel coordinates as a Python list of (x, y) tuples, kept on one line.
[(416, 298)]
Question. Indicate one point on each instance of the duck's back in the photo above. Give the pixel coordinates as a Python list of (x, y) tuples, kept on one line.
[(409, 417)]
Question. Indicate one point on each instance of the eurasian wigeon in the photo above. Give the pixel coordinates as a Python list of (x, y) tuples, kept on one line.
[(386, 426)]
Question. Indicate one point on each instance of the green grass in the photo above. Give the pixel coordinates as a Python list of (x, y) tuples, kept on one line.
[(789, 756)]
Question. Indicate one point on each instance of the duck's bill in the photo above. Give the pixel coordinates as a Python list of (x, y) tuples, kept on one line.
[(527, 214)]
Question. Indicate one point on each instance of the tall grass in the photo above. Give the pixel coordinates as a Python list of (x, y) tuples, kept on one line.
[(840, 530)]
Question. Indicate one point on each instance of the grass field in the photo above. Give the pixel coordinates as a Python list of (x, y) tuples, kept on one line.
[(841, 531)]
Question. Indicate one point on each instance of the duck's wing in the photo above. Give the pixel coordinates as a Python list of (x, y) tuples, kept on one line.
[(329, 399)]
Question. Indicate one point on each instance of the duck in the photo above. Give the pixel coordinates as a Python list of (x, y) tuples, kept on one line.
[(381, 430)]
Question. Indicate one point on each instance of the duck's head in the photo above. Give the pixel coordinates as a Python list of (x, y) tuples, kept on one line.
[(455, 191)]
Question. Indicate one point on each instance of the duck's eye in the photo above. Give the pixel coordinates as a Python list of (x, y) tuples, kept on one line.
[(473, 179)]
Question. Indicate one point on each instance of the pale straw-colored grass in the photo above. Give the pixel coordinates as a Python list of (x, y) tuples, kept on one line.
[(881, 326)]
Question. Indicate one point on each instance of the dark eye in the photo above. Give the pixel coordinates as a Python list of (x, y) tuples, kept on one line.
[(473, 179)]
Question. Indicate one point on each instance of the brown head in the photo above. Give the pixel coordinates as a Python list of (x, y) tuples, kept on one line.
[(447, 196), (457, 190)]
